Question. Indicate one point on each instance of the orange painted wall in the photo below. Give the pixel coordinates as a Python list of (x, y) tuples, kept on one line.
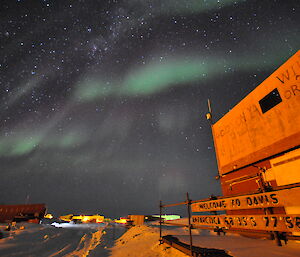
[(249, 133)]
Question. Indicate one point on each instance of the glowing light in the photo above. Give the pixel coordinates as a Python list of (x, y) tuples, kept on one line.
[(83, 218), (168, 217), (48, 216), (66, 217), (121, 221)]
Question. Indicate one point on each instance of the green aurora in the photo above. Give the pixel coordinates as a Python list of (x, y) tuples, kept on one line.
[(155, 78), (185, 7), (23, 144)]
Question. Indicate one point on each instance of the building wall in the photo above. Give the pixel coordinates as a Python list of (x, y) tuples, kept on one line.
[(10, 212), (265, 123)]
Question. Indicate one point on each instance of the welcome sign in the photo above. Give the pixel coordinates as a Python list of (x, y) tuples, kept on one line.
[(284, 197)]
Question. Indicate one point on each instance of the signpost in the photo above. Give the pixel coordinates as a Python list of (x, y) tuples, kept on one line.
[(281, 226), (284, 197), (274, 222)]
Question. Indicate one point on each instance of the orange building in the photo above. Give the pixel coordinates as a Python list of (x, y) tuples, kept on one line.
[(257, 142), (83, 218)]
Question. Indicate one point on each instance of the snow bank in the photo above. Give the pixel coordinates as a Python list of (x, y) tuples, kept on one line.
[(234, 244), (240, 246), (142, 241)]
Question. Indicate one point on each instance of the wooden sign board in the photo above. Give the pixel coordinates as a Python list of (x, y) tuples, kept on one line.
[(285, 197), (278, 222), (266, 122)]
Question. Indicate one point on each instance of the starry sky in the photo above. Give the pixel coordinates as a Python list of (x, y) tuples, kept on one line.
[(103, 102)]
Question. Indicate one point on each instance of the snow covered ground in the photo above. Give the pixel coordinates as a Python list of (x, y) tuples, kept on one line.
[(240, 246), (143, 241), (140, 241), (46, 240)]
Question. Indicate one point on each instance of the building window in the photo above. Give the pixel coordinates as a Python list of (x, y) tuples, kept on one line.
[(270, 100)]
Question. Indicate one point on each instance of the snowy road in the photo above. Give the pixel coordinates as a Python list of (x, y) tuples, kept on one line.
[(45, 240)]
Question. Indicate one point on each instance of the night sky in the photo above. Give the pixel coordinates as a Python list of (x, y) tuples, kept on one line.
[(103, 102)]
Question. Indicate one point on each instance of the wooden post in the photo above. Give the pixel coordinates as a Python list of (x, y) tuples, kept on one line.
[(264, 188), (188, 204), (160, 227)]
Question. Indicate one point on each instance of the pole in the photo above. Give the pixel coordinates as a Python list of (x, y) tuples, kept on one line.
[(160, 227), (188, 204), (264, 188), (209, 114)]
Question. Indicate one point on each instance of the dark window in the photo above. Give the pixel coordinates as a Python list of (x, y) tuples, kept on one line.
[(270, 101)]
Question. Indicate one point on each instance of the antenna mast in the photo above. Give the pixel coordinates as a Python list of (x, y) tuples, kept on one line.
[(209, 115)]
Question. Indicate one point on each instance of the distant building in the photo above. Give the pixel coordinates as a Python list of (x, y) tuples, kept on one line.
[(22, 212), (122, 220), (136, 219), (83, 218)]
